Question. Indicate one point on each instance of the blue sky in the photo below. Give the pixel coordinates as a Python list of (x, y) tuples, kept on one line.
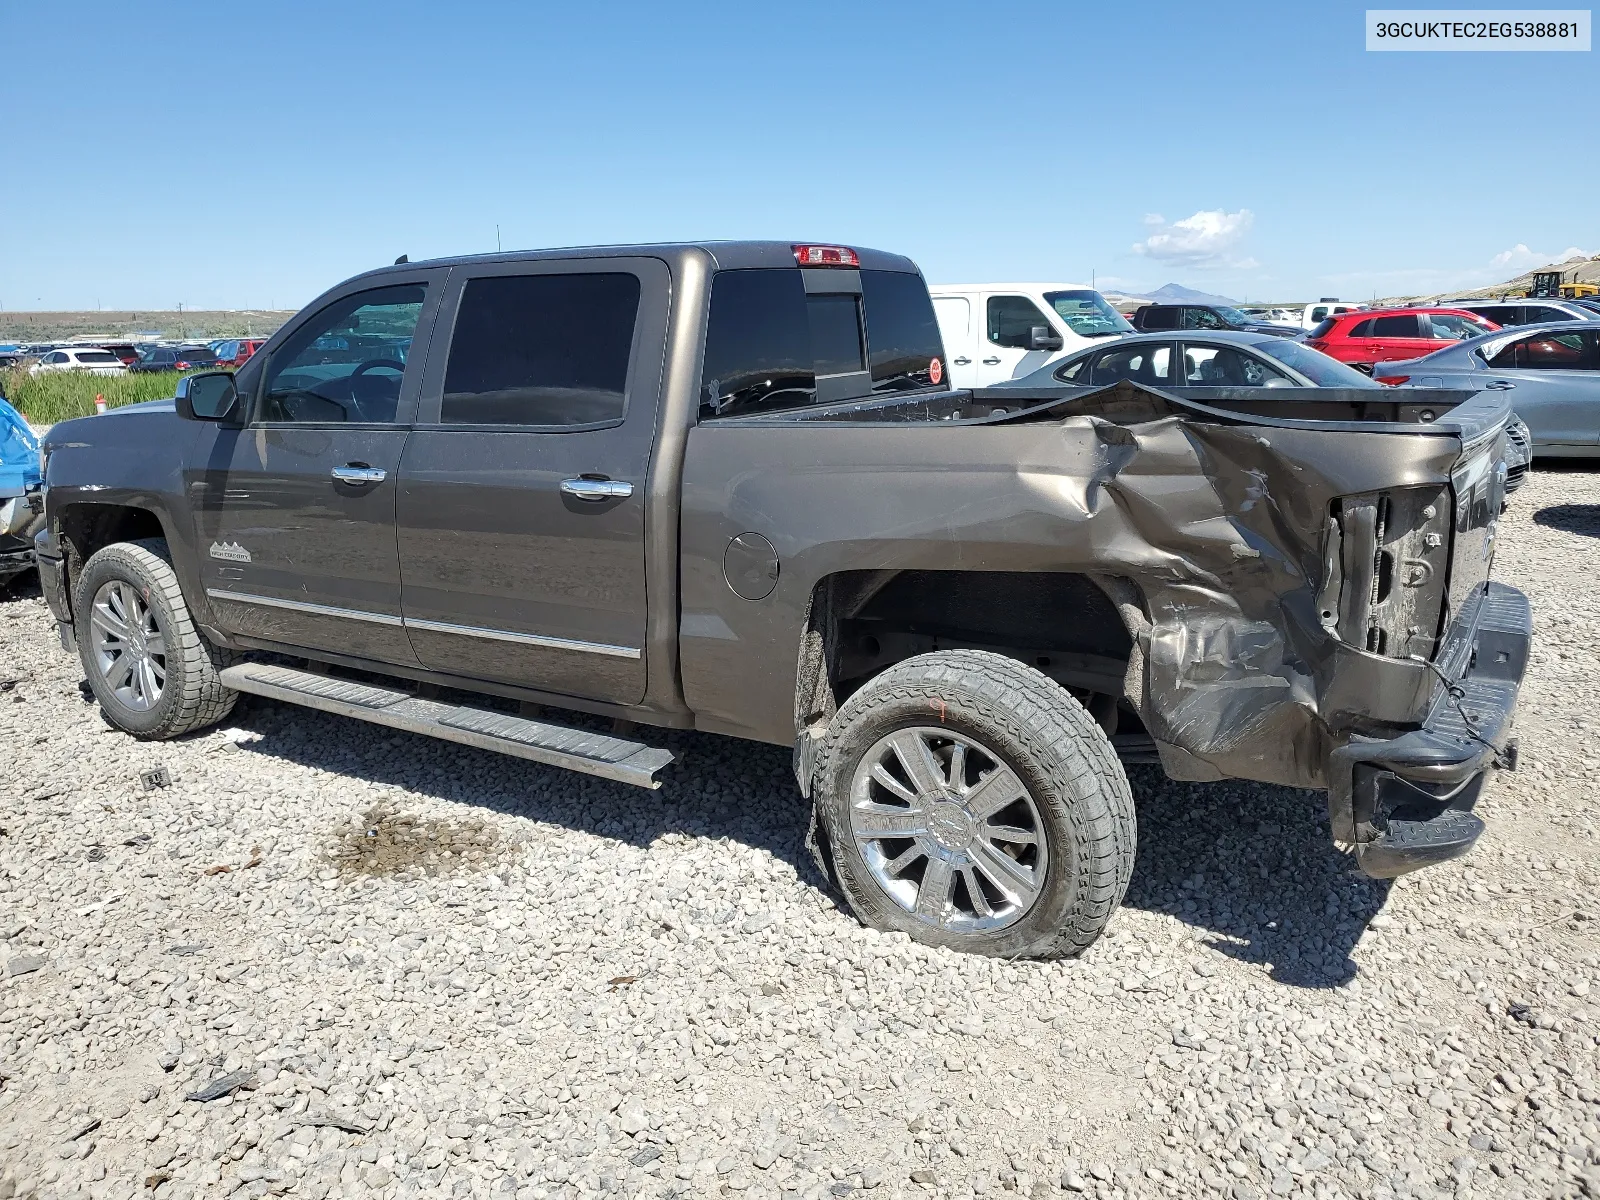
[(244, 158)]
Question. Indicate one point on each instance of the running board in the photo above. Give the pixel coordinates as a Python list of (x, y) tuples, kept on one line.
[(555, 745)]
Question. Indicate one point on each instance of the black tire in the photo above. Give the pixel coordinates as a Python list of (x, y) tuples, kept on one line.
[(1020, 718), (192, 696)]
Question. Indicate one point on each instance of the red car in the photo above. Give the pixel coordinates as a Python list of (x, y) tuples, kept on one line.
[(236, 354), (1374, 335)]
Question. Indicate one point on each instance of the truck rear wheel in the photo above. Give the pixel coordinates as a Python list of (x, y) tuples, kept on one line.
[(970, 802), (152, 671)]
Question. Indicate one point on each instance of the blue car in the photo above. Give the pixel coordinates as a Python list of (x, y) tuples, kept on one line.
[(19, 471)]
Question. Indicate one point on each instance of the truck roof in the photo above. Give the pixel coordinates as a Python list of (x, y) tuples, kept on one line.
[(1009, 287), (725, 255)]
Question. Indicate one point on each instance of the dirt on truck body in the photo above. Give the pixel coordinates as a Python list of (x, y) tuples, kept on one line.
[(726, 487)]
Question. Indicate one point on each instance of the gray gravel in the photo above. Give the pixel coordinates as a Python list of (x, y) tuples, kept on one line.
[(405, 968)]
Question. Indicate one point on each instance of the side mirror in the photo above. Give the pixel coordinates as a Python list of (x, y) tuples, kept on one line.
[(210, 396), (1042, 337)]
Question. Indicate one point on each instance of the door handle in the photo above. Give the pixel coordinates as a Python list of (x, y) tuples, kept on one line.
[(962, 361), (359, 474), (991, 362), (1498, 385), (597, 489)]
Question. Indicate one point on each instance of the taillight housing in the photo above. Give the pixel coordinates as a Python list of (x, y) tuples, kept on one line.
[(1393, 380), (826, 256)]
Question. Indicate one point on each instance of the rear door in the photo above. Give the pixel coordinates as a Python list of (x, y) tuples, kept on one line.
[(1397, 336), (523, 486), (295, 509)]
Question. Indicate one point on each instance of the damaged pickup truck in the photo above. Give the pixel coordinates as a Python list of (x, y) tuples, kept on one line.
[(727, 487)]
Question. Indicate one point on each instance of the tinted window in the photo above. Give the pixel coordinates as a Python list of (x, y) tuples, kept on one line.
[(1224, 366), (1011, 321), (1158, 318), (758, 343), (346, 363), (541, 350), (1143, 363), (902, 336), (1324, 328), (835, 334), (1361, 329), (1575, 351), (1399, 327), (1543, 312), (1500, 314), (195, 356), (96, 356), (1319, 312)]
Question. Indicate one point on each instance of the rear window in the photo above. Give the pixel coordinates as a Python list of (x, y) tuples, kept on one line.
[(197, 356), (96, 356), (768, 341), (544, 350), (1324, 328)]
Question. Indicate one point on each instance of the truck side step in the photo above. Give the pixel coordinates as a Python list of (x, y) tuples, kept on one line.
[(555, 745)]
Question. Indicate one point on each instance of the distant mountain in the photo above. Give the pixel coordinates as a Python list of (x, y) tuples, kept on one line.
[(1171, 293)]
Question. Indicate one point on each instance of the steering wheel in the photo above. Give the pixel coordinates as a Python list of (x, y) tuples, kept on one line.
[(372, 364)]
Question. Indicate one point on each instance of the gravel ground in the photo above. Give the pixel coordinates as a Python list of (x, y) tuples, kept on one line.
[(447, 973)]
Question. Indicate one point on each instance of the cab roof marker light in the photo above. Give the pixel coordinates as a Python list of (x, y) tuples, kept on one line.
[(826, 256)]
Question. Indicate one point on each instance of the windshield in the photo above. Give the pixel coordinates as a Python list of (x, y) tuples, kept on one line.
[(1087, 314), (1314, 365)]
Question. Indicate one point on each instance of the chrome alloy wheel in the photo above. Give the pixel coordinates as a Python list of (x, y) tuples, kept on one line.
[(130, 649), (948, 831)]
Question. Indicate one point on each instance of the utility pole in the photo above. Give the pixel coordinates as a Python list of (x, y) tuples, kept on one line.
[(497, 239)]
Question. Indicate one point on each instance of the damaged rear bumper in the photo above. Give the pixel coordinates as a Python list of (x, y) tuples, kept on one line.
[(1406, 802)]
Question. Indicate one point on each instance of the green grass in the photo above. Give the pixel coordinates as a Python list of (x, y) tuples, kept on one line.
[(60, 395)]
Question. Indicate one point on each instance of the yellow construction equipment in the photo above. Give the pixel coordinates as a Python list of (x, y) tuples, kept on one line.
[(1549, 285)]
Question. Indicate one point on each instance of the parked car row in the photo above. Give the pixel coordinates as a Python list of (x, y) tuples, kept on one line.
[(112, 357)]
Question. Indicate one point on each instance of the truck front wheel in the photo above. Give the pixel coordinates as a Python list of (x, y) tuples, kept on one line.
[(970, 802), (152, 671)]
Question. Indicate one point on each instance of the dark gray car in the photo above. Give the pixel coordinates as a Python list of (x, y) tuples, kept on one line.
[(726, 487), (1550, 373)]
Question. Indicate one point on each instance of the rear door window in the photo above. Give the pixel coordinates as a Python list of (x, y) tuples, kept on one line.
[(1159, 318), (1404, 326), (1540, 313), (547, 350), (1500, 314), (1146, 362)]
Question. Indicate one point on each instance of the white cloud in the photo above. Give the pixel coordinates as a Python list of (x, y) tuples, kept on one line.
[(1520, 258), (1206, 239)]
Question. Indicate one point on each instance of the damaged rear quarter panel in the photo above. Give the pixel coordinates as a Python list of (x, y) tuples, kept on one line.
[(1221, 528)]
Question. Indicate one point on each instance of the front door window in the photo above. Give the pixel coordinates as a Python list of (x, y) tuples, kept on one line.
[(346, 364)]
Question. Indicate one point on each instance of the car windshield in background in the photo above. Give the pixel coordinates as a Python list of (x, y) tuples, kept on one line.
[(1087, 314), (1314, 365)]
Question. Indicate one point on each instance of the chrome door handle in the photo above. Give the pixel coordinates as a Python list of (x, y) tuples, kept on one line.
[(1498, 385), (597, 489), (962, 361), (991, 362), (359, 474)]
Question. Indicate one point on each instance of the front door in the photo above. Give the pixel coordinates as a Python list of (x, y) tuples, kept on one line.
[(295, 510), (1006, 349), (522, 496)]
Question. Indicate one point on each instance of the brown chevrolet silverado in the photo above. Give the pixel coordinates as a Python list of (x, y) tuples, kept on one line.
[(727, 487)]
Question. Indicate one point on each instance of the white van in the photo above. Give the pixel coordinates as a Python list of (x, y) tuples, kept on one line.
[(998, 331)]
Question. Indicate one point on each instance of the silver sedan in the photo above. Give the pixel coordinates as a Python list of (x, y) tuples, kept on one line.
[(1552, 372)]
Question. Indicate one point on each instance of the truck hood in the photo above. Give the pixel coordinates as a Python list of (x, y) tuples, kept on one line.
[(87, 429)]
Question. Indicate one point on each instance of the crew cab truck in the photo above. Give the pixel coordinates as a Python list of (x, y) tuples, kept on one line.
[(728, 487)]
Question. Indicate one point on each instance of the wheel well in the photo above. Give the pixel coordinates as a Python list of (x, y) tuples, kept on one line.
[(861, 622), (86, 528)]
